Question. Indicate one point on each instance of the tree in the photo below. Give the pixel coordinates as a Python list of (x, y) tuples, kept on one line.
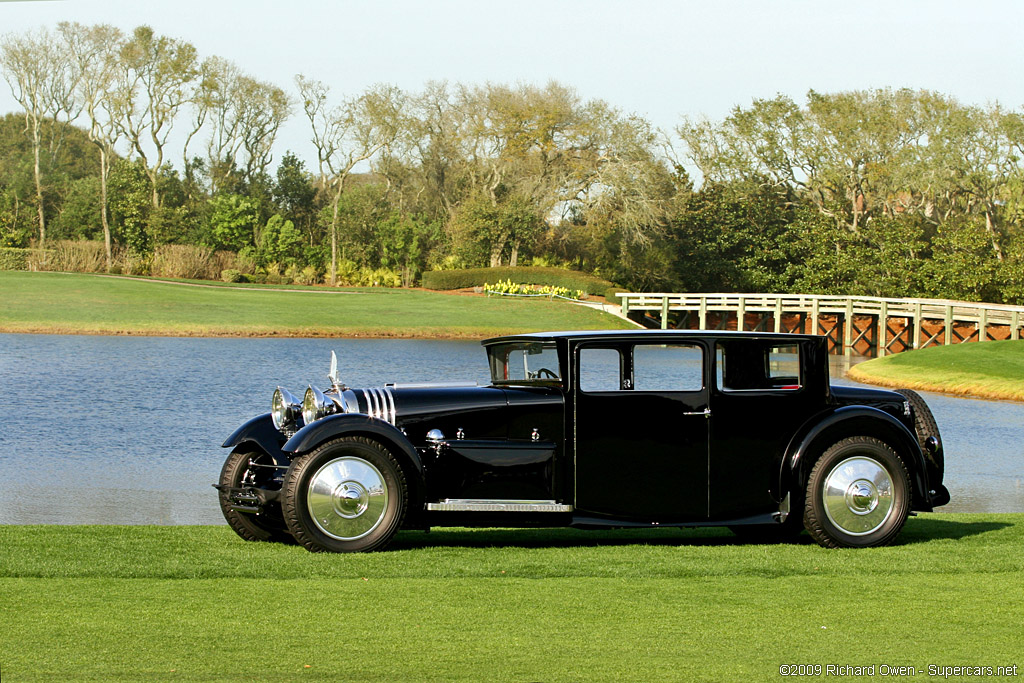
[(130, 205), (405, 243), (487, 232), (347, 135), (844, 153), (294, 194), (233, 220), (245, 115), (279, 242), (43, 78), (94, 50), (154, 82)]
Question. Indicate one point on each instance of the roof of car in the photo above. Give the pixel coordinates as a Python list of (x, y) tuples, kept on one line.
[(619, 334)]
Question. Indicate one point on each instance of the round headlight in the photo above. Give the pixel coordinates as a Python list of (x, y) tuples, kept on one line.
[(284, 409), (314, 405)]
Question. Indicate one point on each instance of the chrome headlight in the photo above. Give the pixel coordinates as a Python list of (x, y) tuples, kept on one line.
[(315, 405), (285, 409)]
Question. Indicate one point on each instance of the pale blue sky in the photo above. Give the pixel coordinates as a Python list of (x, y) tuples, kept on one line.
[(658, 58)]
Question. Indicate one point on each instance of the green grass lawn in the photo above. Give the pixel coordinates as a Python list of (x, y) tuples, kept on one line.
[(87, 304), (988, 370), (197, 603)]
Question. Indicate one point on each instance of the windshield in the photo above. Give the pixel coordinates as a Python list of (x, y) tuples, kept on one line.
[(524, 362)]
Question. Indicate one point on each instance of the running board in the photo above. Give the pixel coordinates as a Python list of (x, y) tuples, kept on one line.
[(466, 505)]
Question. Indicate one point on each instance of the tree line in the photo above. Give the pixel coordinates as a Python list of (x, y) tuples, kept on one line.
[(876, 192)]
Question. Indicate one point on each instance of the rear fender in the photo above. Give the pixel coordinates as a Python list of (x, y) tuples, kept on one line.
[(827, 428), (354, 424)]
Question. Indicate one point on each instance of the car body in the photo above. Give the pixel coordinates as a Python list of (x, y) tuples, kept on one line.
[(593, 429)]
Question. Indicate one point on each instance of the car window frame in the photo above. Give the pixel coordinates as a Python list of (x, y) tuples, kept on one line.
[(627, 365)]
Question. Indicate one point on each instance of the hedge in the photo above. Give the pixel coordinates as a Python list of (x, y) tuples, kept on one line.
[(14, 258), (525, 275)]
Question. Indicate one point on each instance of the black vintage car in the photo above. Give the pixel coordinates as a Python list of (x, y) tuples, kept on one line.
[(593, 429)]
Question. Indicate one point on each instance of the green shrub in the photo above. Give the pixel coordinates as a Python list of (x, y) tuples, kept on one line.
[(610, 292), (477, 277), (13, 258), (351, 275), (303, 276), (232, 275), (272, 275), (382, 277)]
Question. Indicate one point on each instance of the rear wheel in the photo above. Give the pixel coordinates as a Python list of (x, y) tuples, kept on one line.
[(858, 495), (243, 469), (925, 426), (348, 495)]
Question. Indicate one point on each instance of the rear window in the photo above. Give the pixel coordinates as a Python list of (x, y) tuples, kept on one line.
[(751, 366)]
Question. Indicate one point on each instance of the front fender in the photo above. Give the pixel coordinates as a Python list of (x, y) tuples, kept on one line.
[(825, 429), (260, 431)]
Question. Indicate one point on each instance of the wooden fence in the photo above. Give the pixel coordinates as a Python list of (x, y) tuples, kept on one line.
[(863, 325)]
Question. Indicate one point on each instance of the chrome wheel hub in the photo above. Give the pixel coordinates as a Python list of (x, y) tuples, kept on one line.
[(347, 498), (858, 495)]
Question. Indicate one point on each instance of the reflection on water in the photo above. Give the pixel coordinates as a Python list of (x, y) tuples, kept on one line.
[(124, 430)]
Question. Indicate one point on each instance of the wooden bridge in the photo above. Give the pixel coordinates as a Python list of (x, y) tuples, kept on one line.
[(870, 326)]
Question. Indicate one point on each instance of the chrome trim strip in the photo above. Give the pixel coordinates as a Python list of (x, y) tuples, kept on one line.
[(391, 401), (428, 385), (369, 411), (376, 403), (498, 505)]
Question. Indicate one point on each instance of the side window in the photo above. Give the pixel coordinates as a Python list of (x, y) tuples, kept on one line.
[(600, 370), (751, 366), (668, 367), (784, 366)]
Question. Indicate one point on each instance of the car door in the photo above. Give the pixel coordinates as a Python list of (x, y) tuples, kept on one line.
[(763, 391), (640, 430)]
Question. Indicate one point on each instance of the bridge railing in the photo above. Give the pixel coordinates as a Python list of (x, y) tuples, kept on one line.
[(883, 325)]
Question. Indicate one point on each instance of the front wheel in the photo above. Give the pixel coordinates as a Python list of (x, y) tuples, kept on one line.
[(251, 469), (858, 495), (348, 495)]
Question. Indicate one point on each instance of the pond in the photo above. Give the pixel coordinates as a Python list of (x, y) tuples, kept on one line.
[(126, 430)]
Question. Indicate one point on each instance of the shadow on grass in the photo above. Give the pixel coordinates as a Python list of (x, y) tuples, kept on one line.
[(923, 530), (918, 531), (565, 538)]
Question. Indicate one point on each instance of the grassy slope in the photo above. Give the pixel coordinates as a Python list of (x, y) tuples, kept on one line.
[(84, 304), (987, 370), (197, 603)]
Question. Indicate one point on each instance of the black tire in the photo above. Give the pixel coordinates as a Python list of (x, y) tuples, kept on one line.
[(925, 426), (267, 526), (357, 490), (858, 495)]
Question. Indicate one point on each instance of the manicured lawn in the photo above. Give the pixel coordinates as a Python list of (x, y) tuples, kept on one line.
[(987, 370), (87, 304), (197, 603)]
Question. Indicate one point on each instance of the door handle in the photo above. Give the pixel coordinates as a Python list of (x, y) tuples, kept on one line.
[(706, 413)]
